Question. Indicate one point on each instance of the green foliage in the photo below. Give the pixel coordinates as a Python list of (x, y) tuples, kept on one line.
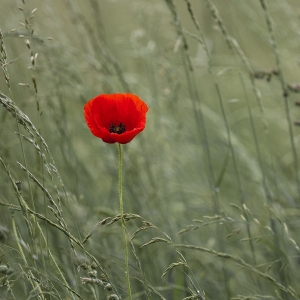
[(211, 188)]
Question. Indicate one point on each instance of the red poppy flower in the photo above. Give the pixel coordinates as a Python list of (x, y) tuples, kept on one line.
[(116, 117)]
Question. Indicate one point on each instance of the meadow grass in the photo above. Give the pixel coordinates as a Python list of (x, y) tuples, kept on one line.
[(211, 188)]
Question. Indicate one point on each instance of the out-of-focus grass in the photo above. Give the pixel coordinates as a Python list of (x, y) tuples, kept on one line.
[(214, 174)]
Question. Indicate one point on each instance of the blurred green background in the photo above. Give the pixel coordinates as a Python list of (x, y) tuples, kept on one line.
[(218, 158)]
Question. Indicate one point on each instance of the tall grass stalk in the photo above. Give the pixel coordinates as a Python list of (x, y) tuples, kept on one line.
[(216, 168), (283, 90)]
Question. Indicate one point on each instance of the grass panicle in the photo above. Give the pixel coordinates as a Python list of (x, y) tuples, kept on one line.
[(211, 186)]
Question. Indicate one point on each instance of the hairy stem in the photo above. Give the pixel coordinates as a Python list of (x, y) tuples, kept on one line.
[(123, 224)]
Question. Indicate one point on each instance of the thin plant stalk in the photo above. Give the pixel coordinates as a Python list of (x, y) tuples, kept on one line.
[(123, 224)]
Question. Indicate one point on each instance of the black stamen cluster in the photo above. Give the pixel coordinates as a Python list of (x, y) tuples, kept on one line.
[(117, 128)]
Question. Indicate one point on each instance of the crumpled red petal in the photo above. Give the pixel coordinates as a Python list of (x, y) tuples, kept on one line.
[(112, 109)]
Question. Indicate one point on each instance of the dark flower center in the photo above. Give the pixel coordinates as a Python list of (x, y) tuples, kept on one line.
[(117, 128)]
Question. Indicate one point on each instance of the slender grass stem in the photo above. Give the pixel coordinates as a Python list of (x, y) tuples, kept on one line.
[(284, 92), (123, 224)]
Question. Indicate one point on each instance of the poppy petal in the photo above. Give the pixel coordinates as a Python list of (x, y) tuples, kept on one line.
[(106, 112)]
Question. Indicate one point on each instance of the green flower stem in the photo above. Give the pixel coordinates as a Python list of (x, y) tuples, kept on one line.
[(123, 224)]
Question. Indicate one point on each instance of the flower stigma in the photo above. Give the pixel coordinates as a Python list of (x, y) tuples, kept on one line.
[(117, 128)]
